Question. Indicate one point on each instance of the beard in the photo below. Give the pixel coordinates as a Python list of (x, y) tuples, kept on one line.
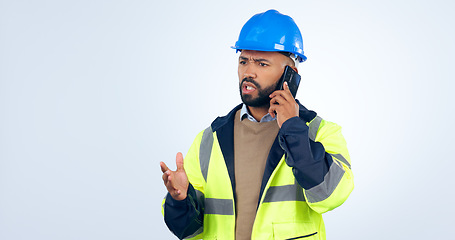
[(262, 100)]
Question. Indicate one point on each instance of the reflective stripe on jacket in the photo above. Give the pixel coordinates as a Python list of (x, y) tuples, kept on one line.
[(291, 203)]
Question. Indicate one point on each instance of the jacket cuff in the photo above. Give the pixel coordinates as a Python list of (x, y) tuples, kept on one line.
[(292, 125), (170, 201), (308, 159)]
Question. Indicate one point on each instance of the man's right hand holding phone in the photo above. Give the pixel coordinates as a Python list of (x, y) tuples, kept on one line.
[(283, 105)]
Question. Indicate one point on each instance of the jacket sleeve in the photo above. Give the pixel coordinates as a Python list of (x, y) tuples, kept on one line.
[(319, 160), (185, 218)]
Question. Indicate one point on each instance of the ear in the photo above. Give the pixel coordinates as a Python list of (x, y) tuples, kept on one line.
[(295, 69)]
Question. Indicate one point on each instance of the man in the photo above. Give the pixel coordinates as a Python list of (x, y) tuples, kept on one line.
[(270, 167)]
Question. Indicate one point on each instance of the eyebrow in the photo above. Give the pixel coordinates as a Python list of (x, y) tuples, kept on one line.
[(254, 59)]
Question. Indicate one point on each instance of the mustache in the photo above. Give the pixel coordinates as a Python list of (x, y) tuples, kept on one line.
[(250, 80)]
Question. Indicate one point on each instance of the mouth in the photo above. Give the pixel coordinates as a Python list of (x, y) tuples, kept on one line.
[(248, 88)]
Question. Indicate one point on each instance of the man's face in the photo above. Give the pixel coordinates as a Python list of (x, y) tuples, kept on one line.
[(259, 73)]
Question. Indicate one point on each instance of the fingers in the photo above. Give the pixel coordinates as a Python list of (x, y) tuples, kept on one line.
[(272, 111), (176, 182), (163, 166), (286, 86), (168, 181), (179, 161), (171, 185), (286, 93), (276, 103), (275, 109), (166, 175), (278, 99)]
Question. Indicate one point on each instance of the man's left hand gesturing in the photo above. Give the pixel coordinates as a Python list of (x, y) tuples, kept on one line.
[(283, 105)]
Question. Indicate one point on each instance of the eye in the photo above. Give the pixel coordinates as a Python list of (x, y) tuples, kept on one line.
[(242, 62), (263, 64)]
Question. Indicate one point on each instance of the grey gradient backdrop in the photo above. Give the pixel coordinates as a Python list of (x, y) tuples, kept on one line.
[(93, 94)]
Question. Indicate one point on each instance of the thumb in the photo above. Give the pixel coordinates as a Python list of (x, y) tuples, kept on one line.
[(179, 161)]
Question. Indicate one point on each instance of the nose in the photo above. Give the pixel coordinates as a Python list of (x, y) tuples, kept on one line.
[(249, 72)]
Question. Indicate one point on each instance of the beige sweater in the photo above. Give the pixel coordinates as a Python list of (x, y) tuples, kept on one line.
[(252, 143)]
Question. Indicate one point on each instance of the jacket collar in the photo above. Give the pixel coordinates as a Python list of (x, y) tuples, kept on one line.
[(219, 122)]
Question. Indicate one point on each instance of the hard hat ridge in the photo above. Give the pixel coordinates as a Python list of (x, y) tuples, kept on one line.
[(271, 31)]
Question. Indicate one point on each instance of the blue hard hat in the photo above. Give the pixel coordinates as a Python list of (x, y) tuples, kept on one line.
[(271, 31)]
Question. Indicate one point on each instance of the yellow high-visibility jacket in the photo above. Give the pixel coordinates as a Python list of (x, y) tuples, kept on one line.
[(311, 175)]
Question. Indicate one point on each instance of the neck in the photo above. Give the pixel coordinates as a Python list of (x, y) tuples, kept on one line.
[(258, 112)]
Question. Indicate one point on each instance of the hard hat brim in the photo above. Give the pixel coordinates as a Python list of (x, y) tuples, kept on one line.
[(302, 58)]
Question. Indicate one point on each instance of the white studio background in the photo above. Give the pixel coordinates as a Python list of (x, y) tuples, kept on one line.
[(93, 94)]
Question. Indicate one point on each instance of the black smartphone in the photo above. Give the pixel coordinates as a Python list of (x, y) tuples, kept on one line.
[(292, 78)]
